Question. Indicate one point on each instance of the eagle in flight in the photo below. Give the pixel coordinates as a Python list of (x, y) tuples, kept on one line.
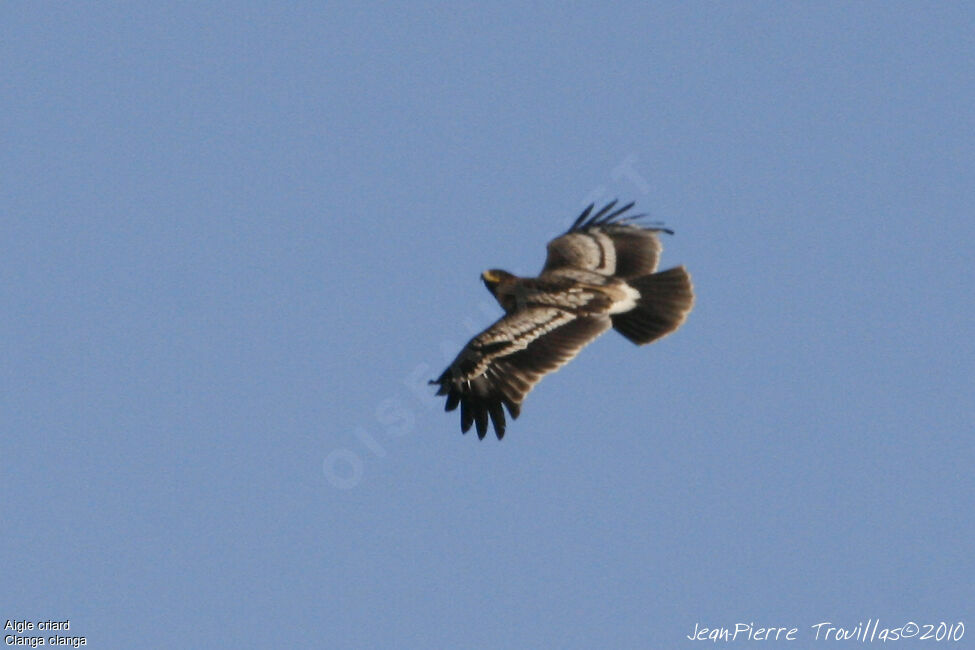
[(600, 273)]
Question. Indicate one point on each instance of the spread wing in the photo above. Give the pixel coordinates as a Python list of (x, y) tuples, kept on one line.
[(607, 242), (503, 363)]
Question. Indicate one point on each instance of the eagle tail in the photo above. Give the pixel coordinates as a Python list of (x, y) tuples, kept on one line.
[(665, 299)]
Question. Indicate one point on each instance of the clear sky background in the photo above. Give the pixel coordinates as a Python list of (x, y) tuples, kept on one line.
[(236, 239)]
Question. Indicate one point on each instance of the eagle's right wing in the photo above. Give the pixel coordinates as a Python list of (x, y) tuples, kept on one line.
[(607, 242), (503, 363)]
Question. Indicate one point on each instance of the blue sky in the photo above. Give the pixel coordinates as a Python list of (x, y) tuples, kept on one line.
[(237, 239)]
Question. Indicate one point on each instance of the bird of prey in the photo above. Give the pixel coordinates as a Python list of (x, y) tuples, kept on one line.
[(600, 273)]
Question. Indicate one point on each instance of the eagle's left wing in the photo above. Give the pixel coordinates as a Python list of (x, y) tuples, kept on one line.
[(503, 363)]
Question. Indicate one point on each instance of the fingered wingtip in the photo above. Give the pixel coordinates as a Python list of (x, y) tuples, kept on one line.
[(605, 216)]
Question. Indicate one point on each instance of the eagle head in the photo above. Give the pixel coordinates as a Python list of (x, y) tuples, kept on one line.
[(494, 277)]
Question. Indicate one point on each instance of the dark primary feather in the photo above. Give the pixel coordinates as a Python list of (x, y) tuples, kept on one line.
[(581, 217), (604, 218), (608, 218), (485, 377), (606, 208)]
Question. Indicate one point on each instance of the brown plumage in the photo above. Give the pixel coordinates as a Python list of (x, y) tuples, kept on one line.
[(601, 273)]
